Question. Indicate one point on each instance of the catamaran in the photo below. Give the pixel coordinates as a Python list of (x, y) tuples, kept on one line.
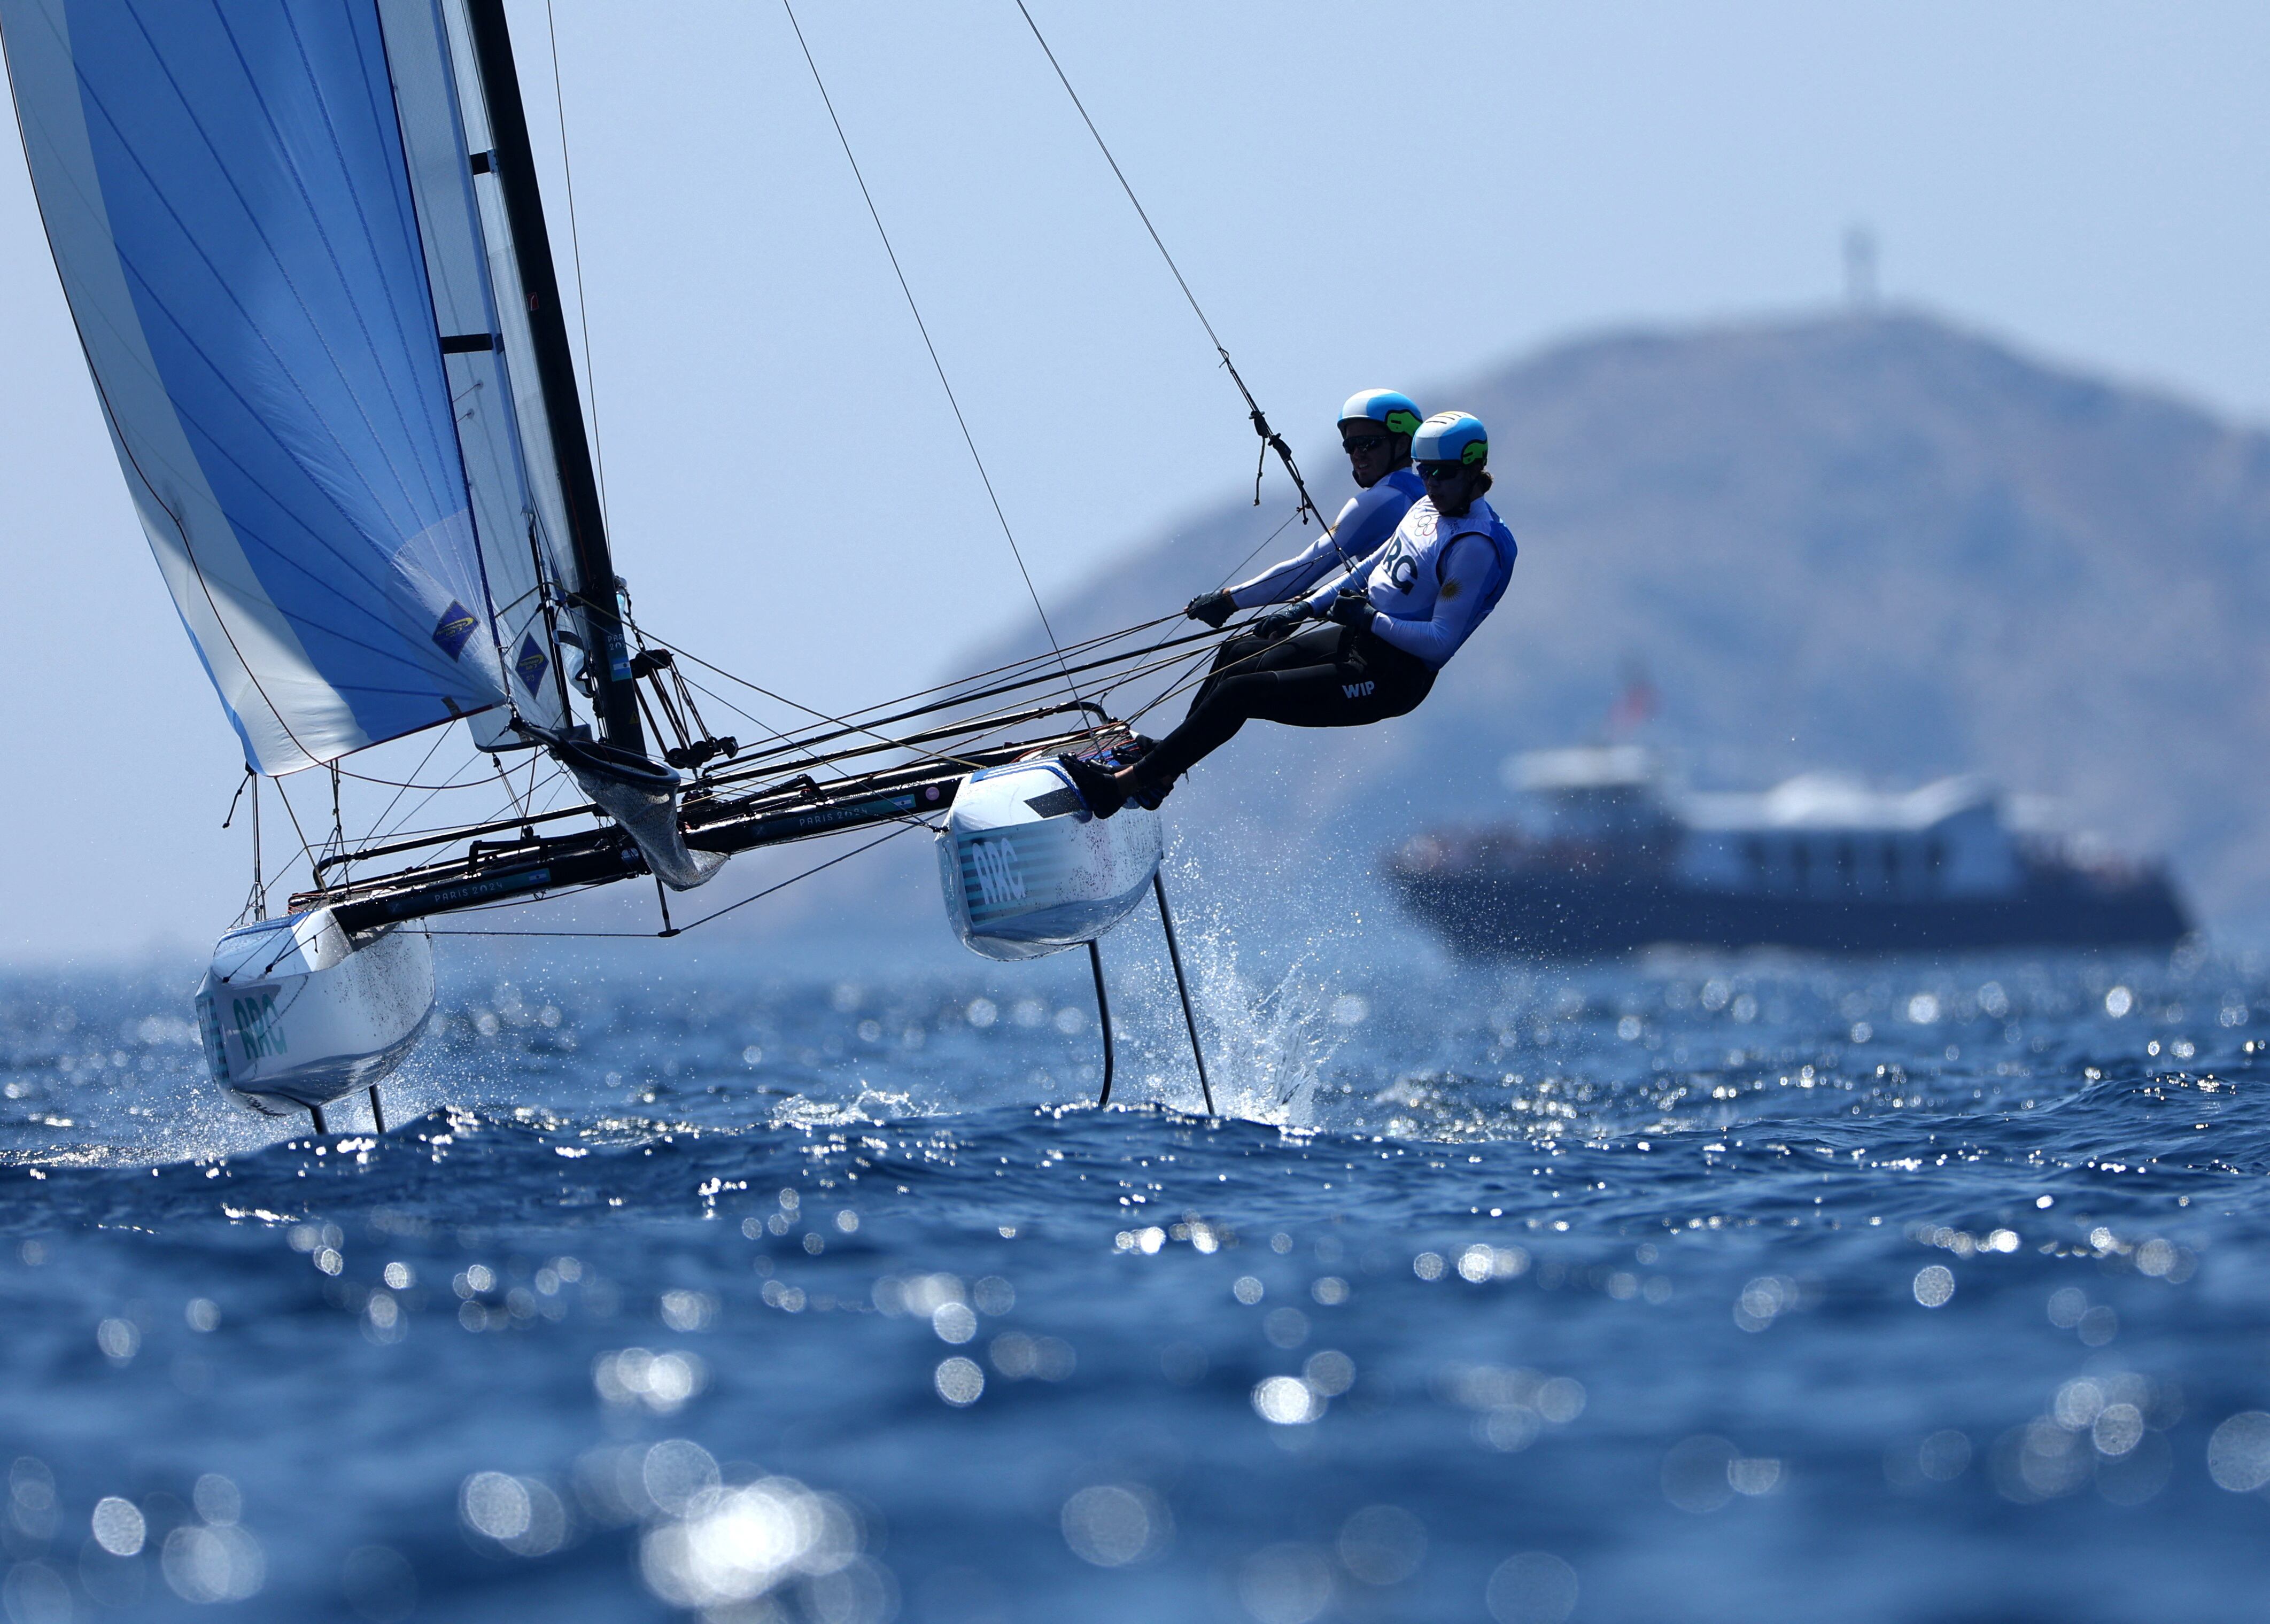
[(305, 247)]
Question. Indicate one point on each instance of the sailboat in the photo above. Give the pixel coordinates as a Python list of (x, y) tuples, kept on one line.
[(305, 247)]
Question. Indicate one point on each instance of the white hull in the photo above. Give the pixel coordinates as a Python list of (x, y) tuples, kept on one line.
[(295, 1012), (1028, 871)]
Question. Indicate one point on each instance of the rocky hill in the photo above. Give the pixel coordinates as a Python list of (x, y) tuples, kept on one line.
[(1874, 543)]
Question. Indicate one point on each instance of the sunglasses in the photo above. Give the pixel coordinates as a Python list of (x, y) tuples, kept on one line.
[(1353, 443), (1441, 471)]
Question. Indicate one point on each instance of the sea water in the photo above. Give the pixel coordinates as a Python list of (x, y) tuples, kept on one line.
[(1706, 1290)]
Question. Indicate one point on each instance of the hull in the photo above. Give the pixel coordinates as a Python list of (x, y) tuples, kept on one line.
[(296, 1013), (1027, 871), (1497, 914)]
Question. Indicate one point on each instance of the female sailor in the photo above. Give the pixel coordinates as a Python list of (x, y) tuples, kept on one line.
[(1389, 626)]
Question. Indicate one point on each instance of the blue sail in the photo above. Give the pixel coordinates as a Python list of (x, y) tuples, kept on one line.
[(223, 186)]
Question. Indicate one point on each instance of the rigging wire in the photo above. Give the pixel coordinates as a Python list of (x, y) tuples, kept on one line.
[(967, 438), (837, 722), (831, 762), (306, 851), (1027, 664), (847, 723), (649, 936), (873, 730), (894, 834), (513, 794), (575, 257), (847, 726), (1135, 666), (1270, 440), (256, 899), (420, 803), (440, 734), (1228, 576)]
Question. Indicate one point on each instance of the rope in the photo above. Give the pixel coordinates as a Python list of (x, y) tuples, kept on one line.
[(850, 725), (522, 803), (923, 328), (248, 776), (1096, 642), (1227, 576), (836, 721)]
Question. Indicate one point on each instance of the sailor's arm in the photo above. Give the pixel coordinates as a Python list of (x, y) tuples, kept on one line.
[(1299, 572), (1368, 519), (1320, 601), (1467, 573), (1287, 579)]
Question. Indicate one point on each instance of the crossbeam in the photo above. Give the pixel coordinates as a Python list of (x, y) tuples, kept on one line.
[(536, 865)]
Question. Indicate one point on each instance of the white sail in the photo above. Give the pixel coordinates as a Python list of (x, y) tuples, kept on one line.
[(500, 462), (548, 503)]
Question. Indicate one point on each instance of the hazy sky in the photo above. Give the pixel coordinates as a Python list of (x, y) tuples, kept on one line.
[(1358, 197)]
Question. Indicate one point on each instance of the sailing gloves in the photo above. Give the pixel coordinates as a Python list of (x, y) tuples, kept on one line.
[(1351, 607), (1280, 622), (1213, 608)]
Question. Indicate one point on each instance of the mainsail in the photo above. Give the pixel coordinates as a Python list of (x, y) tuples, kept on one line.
[(518, 516), (266, 225)]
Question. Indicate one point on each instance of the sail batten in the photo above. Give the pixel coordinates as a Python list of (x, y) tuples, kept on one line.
[(487, 404), (261, 284)]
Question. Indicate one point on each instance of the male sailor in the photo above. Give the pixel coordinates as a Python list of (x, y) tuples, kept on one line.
[(1389, 626), (1375, 429)]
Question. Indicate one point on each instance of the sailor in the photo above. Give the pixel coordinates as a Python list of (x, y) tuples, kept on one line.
[(1389, 625), (1375, 430)]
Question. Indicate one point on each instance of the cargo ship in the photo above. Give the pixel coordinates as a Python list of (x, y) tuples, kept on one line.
[(1604, 853)]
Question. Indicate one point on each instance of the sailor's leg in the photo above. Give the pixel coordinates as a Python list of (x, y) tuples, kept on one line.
[(1325, 677), (1212, 722), (1367, 681), (1235, 655)]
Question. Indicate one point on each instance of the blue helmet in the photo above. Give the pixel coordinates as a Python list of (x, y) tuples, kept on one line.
[(1451, 437), (1397, 410)]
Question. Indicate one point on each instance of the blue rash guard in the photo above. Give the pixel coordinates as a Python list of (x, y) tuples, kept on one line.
[(1367, 522), (1432, 581)]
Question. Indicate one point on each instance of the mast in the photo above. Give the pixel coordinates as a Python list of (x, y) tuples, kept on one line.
[(607, 657)]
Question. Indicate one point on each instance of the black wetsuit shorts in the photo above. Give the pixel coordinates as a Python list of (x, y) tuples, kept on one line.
[(1328, 676)]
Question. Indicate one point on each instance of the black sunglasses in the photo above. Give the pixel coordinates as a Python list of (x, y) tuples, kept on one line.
[(1363, 442), (1441, 471)]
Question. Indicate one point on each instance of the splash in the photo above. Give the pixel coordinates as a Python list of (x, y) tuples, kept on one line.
[(1270, 1041), (1268, 1038), (870, 1106)]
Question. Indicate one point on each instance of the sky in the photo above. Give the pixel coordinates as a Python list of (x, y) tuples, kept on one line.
[(1358, 198)]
